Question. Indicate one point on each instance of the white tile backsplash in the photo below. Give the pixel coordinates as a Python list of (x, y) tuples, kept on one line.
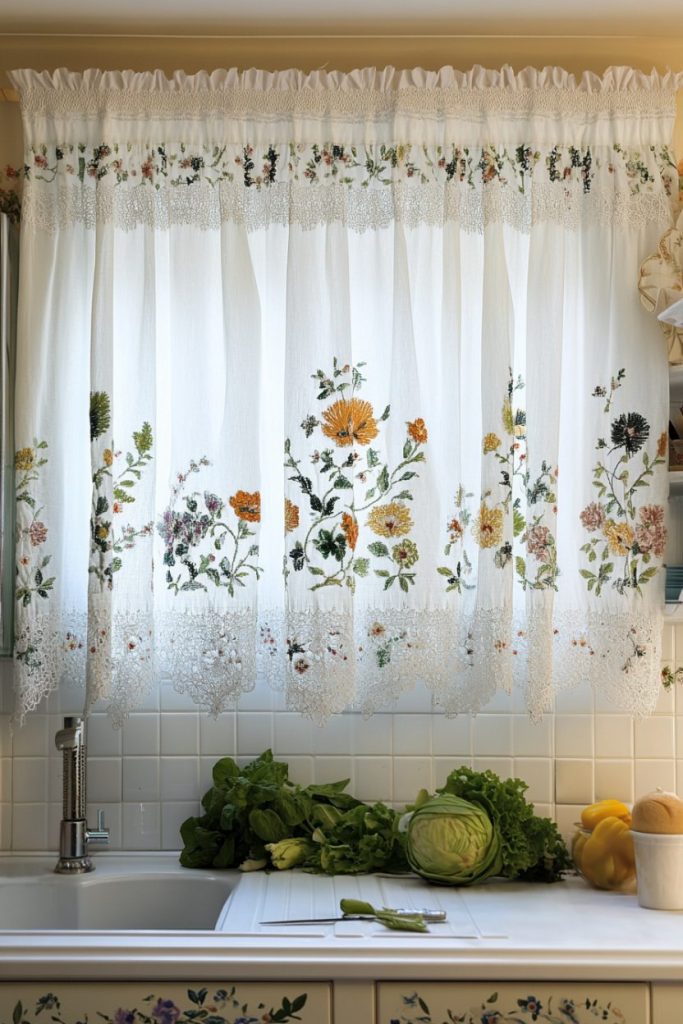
[(150, 774)]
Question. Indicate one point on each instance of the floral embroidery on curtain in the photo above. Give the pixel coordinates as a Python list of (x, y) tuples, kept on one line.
[(410, 283)]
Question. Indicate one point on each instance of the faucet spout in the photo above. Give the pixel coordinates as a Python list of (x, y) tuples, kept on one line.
[(74, 834)]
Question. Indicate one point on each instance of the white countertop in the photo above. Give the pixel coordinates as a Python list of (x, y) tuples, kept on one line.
[(500, 930)]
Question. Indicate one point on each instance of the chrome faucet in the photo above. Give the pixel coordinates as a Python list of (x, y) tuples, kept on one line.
[(74, 834)]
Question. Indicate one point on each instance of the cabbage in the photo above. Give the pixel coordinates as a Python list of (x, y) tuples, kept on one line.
[(453, 842)]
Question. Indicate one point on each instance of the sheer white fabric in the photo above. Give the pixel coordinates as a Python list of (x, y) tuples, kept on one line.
[(398, 309)]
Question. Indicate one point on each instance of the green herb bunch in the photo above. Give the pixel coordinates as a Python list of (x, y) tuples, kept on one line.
[(255, 818)]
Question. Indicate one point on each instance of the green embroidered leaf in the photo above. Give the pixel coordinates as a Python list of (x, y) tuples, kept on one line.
[(342, 482), (315, 570), (121, 495), (407, 448), (143, 439), (443, 570), (100, 414), (101, 506), (404, 583), (370, 494), (520, 566), (587, 574), (382, 572), (518, 523), (383, 480), (361, 566), (378, 549), (372, 458), (407, 476)]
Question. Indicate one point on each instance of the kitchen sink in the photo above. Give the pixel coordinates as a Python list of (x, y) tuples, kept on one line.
[(124, 893)]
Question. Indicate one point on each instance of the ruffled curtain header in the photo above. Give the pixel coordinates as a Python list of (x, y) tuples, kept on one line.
[(417, 143)]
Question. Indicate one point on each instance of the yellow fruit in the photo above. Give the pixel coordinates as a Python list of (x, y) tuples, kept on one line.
[(595, 813)]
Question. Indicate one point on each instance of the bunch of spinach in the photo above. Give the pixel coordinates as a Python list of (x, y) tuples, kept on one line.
[(248, 810)]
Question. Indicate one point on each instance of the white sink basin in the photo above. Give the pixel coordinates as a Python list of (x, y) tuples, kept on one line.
[(122, 894)]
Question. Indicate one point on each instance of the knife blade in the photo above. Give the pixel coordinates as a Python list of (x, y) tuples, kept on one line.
[(430, 916)]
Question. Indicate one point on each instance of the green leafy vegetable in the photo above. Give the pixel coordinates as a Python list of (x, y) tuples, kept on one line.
[(255, 817), (531, 847), (453, 841)]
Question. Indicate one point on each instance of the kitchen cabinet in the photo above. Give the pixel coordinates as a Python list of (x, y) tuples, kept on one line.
[(667, 1004), (164, 1002), (488, 1003)]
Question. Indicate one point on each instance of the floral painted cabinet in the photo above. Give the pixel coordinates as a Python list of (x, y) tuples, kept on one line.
[(161, 1002), (517, 1003)]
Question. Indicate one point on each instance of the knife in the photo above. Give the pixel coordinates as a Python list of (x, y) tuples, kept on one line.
[(429, 916)]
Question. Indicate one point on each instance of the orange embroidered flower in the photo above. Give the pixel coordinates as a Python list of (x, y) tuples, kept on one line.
[(488, 526), (108, 456), (350, 422), (392, 520), (350, 529), (619, 536), (455, 531), (247, 506), (662, 445), (291, 515), (418, 431)]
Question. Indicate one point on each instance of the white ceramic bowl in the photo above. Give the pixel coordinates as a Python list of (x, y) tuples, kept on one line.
[(659, 869)]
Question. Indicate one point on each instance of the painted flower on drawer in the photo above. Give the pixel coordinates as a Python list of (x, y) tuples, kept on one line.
[(519, 1010), (221, 1006)]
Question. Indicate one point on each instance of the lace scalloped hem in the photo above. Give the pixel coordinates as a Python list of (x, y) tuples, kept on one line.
[(328, 663)]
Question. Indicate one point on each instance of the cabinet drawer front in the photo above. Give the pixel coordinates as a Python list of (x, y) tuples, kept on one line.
[(511, 1003), (161, 1002)]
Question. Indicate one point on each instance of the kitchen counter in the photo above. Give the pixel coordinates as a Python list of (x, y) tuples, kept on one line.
[(500, 930)]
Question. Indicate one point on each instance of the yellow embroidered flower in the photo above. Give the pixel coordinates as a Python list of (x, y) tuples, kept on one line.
[(247, 506), (662, 445), (350, 422), (619, 536), (418, 431), (491, 443), (24, 459), (108, 456), (350, 529), (488, 526), (392, 520), (291, 516), (102, 532)]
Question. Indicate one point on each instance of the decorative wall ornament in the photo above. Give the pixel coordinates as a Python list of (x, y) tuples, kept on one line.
[(661, 284)]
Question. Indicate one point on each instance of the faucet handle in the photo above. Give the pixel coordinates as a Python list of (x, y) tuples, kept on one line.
[(99, 834)]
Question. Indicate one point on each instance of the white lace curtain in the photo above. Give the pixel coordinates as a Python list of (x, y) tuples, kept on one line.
[(341, 380)]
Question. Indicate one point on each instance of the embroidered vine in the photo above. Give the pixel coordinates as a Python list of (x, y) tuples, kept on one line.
[(154, 164), (624, 539), (31, 530), (222, 529), (112, 492), (487, 528), (327, 548)]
